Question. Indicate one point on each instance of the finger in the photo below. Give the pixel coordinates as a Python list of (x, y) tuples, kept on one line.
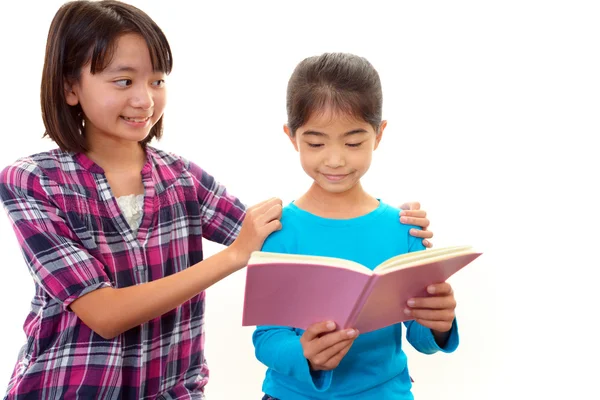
[(317, 329), (431, 315), (427, 243), (432, 303), (258, 205), (268, 205), (440, 289), (262, 207), (270, 214), (323, 356), (332, 338), (414, 213), (424, 234), (440, 326), (272, 227), (421, 222), (411, 205), (334, 361)]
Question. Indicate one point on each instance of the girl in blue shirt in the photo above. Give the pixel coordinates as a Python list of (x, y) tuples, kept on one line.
[(334, 106)]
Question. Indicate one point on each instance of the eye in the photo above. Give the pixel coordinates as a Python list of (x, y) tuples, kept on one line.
[(354, 144), (123, 82), (314, 145), (159, 83)]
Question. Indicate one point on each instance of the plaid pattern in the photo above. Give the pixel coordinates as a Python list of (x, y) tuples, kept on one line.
[(75, 240)]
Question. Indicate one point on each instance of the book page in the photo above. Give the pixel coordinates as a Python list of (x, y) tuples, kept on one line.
[(417, 257), (263, 257)]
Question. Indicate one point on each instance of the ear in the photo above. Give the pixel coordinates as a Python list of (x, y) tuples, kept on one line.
[(288, 133), (70, 93), (379, 134)]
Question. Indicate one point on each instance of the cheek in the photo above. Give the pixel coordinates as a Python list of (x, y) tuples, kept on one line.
[(99, 107), (160, 102), (308, 159), (104, 104), (362, 159), (114, 104)]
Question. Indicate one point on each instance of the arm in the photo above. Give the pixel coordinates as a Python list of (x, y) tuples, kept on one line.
[(62, 266), (221, 212), (110, 312), (309, 358), (279, 349)]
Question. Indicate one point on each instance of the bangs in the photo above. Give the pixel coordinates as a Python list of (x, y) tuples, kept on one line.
[(320, 100), (160, 53)]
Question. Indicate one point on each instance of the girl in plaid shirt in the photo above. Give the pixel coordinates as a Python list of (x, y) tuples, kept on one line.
[(111, 228)]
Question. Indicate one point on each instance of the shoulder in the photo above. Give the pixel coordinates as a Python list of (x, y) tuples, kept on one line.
[(34, 174), (173, 170), (289, 221), (390, 211), (283, 240), (171, 166), (393, 229), (389, 222), (168, 166), (390, 217)]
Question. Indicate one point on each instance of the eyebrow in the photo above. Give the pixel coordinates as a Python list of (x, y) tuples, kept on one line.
[(121, 68), (321, 134)]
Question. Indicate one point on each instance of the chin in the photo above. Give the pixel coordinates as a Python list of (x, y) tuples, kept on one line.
[(134, 137), (335, 189)]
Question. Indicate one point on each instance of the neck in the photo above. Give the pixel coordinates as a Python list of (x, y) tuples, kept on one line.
[(116, 155), (349, 204)]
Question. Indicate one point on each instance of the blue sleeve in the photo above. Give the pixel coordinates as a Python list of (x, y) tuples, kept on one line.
[(421, 338), (278, 347)]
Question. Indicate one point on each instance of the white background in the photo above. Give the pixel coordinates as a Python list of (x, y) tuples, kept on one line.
[(491, 107)]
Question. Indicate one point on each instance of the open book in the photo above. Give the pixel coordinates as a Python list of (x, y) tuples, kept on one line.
[(299, 290)]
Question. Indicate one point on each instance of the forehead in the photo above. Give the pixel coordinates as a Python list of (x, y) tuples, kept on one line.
[(130, 51), (334, 121)]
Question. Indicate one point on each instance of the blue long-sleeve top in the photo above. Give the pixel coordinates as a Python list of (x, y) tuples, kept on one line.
[(376, 365)]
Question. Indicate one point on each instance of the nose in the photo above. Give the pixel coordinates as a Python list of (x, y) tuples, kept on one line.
[(142, 98), (335, 159)]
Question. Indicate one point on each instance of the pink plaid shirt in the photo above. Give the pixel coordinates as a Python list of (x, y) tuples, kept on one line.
[(75, 240)]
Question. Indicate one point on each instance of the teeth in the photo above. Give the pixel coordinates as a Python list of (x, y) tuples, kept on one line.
[(135, 119)]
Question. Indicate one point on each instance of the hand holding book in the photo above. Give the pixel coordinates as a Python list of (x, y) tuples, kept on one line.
[(324, 347), (436, 311)]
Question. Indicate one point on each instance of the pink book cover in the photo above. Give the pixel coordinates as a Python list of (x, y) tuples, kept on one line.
[(299, 294), (389, 292)]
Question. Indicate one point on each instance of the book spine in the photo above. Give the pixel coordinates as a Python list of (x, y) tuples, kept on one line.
[(360, 302)]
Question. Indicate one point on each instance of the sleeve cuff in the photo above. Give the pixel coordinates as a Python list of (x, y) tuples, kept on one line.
[(427, 344), (451, 343), (320, 380), (66, 303)]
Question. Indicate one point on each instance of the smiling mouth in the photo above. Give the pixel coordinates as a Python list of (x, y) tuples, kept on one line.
[(335, 178), (136, 119)]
